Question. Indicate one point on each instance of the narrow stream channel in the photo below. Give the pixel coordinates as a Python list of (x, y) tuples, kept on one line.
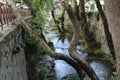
[(63, 69)]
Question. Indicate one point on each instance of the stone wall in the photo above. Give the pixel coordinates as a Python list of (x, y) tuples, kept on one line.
[(12, 56)]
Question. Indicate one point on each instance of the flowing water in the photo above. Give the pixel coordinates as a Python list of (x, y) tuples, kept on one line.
[(63, 69)]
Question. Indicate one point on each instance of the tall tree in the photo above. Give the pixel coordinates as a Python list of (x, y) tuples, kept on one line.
[(106, 29), (76, 32), (113, 16), (89, 37)]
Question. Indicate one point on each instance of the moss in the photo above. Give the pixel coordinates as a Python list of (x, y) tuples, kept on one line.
[(114, 76), (36, 65), (42, 73), (33, 56), (106, 57), (37, 68), (32, 44)]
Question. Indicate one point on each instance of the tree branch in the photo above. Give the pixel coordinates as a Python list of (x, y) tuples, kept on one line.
[(56, 22), (76, 9)]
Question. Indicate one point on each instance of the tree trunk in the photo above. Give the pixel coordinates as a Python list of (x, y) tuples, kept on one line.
[(76, 32), (106, 29), (89, 36), (113, 16)]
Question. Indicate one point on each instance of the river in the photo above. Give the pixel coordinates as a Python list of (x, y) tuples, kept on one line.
[(63, 69)]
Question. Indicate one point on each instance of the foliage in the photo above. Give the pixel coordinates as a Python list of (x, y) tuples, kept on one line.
[(87, 0), (32, 44), (93, 15), (114, 76), (42, 73), (42, 9), (89, 14), (107, 57), (102, 56), (18, 1), (35, 62), (36, 24)]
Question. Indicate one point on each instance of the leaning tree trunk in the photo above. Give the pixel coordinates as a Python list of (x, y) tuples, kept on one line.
[(113, 16), (106, 29), (76, 32)]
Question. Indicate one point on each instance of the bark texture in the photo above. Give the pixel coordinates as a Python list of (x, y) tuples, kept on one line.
[(106, 29), (113, 16)]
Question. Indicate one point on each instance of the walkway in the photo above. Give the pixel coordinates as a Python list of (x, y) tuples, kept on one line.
[(7, 19)]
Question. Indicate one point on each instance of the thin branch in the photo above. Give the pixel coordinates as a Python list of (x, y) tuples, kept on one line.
[(76, 10), (56, 22), (62, 21)]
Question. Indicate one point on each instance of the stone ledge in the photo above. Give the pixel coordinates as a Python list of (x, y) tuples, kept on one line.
[(8, 30)]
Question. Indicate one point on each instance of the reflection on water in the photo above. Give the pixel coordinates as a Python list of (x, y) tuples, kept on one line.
[(62, 68)]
